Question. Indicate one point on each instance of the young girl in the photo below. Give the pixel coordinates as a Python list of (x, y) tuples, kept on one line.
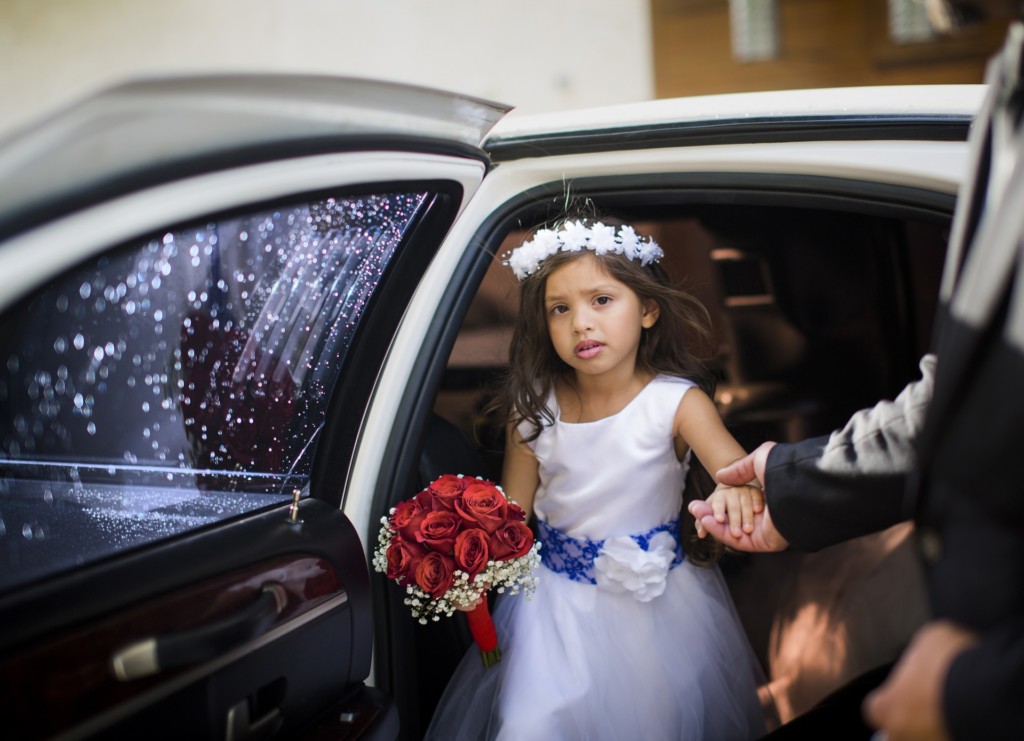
[(625, 637)]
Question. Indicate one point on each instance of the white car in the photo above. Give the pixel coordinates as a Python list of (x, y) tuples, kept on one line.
[(243, 316)]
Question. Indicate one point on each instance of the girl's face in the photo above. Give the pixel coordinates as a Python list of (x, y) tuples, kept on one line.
[(595, 320)]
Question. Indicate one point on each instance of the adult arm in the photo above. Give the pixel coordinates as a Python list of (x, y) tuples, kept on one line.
[(829, 489), (853, 482)]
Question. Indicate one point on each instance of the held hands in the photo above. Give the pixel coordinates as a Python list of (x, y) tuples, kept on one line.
[(736, 513), (908, 706), (734, 507)]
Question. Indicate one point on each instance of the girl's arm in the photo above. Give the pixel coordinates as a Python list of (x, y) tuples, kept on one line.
[(519, 474), (519, 481), (698, 424)]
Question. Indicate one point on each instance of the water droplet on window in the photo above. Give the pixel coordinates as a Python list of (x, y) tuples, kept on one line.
[(60, 345), (91, 428), (85, 290), (79, 341)]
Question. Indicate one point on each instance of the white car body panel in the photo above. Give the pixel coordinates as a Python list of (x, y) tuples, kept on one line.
[(871, 102)]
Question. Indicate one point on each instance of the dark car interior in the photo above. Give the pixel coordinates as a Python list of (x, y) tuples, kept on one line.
[(819, 308)]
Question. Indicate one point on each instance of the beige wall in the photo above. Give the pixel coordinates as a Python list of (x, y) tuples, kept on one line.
[(539, 55), (823, 43)]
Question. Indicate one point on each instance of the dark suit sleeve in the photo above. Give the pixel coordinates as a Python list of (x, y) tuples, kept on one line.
[(829, 489), (985, 686)]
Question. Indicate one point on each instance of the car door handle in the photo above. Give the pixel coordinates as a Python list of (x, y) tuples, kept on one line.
[(154, 654)]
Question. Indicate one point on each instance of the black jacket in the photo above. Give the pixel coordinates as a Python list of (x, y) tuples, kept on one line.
[(949, 455)]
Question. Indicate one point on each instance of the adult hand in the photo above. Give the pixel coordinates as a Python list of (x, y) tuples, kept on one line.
[(908, 705), (748, 469)]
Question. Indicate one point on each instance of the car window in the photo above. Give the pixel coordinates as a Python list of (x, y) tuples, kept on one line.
[(182, 379)]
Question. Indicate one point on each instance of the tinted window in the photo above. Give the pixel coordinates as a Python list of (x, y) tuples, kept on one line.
[(180, 380)]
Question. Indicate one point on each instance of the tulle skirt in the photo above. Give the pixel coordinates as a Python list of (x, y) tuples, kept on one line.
[(583, 663)]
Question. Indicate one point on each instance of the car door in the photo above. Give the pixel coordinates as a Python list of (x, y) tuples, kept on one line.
[(199, 281)]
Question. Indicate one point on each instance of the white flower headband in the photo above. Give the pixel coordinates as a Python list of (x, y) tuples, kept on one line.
[(574, 236)]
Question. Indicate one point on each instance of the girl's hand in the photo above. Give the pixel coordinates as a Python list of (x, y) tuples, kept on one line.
[(735, 505), (470, 606), (475, 602)]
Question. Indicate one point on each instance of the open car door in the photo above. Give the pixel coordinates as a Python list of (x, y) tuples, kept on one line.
[(199, 280)]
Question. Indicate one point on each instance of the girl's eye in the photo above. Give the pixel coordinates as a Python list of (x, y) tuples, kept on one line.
[(602, 300), (559, 309)]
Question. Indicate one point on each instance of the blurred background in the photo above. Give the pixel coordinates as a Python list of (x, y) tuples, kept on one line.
[(539, 55)]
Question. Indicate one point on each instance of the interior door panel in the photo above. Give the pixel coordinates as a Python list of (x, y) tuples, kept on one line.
[(275, 674)]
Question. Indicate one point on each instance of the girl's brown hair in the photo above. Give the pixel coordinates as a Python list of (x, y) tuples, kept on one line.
[(678, 344)]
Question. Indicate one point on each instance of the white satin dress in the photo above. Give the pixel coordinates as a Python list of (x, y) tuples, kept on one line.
[(635, 643)]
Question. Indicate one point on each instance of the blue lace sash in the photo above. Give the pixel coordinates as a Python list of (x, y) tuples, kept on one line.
[(573, 557)]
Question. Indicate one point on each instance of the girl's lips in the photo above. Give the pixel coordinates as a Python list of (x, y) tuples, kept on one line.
[(588, 349)]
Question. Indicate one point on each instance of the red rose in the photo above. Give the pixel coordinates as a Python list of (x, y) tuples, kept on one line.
[(435, 574), (438, 531), (483, 505), (471, 552), (446, 490), (403, 558), (516, 513), (407, 518), (511, 541)]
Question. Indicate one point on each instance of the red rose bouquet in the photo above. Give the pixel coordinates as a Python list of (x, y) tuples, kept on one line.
[(453, 542)]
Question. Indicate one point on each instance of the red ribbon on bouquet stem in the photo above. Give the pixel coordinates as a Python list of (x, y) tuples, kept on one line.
[(482, 627)]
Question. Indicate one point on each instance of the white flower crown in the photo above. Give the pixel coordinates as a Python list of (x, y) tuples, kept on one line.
[(574, 236)]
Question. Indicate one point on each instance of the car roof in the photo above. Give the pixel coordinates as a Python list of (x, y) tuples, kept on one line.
[(144, 131), (941, 112)]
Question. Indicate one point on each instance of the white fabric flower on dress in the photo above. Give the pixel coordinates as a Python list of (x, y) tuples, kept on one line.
[(624, 566)]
